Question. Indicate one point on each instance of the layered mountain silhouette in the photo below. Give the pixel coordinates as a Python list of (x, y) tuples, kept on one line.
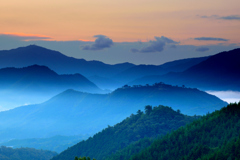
[(139, 71), (218, 72), (30, 55), (8, 153), (72, 112), (56, 143), (35, 84), (103, 75), (41, 78)]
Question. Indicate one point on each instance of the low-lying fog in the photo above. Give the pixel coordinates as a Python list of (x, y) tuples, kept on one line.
[(228, 96)]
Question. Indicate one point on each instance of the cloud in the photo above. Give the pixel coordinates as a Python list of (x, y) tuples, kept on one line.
[(233, 17), (24, 37), (230, 17), (202, 49), (210, 39), (155, 46), (100, 43)]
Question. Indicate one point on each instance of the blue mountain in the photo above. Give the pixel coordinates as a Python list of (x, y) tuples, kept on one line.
[(218, 72)]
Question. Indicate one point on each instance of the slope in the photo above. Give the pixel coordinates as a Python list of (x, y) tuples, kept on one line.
[(24, 154), (74, 113), (139, 71), (203, 138), (183, 64), (56, 143), (34, 84), (218, 72), (154, 122), (30, 55)]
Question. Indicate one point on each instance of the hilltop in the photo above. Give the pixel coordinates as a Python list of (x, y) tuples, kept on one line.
[(154, 122), (36, 84), (74, 113)]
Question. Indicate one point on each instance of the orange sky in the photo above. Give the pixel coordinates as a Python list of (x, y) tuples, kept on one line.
[(125, 20)]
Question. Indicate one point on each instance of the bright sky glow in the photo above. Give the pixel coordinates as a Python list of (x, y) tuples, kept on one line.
[(125, 20)]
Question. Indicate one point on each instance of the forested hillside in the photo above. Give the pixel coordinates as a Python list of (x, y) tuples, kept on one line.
[(7, 153), (215, 136), (152, 123)]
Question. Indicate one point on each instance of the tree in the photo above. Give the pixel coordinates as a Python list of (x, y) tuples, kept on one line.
[(148, 109), (178, 111), (139, 112), (83, 158)]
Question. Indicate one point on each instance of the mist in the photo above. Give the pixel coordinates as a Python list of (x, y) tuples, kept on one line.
[(228, 96)]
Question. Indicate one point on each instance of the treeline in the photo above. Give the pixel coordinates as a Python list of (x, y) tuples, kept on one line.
[(154, 122), (83, 158), (215, 136), (155, 85), (7, 153)]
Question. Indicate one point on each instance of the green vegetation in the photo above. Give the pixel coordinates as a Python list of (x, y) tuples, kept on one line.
[(83, 158), (228, 151), (154, 122), (215, 136), (7, 153)]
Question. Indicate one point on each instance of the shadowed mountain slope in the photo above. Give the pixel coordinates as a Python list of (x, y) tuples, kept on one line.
[(218, 72), (147, 70), (36, 83), (183, 64)]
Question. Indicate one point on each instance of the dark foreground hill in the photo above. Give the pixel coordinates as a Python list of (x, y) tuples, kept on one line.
[(218, 72), (25, 154), (74, 113), (36, 83), (154, 122), (215, 136), (30, 55)]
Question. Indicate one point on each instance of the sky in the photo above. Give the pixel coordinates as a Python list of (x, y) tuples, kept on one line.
[(136, 31)]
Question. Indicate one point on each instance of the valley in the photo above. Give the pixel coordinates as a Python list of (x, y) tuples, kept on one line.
[(124, 111)]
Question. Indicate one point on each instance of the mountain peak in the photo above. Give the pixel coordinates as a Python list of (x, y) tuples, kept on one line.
[(60, 63)]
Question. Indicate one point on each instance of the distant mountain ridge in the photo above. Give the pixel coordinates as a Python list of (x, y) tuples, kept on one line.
[(218, 72), (35, 83), (117, 75), (72, 112), (139, 71), (8, 153), (56, 143), (30, 55)]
